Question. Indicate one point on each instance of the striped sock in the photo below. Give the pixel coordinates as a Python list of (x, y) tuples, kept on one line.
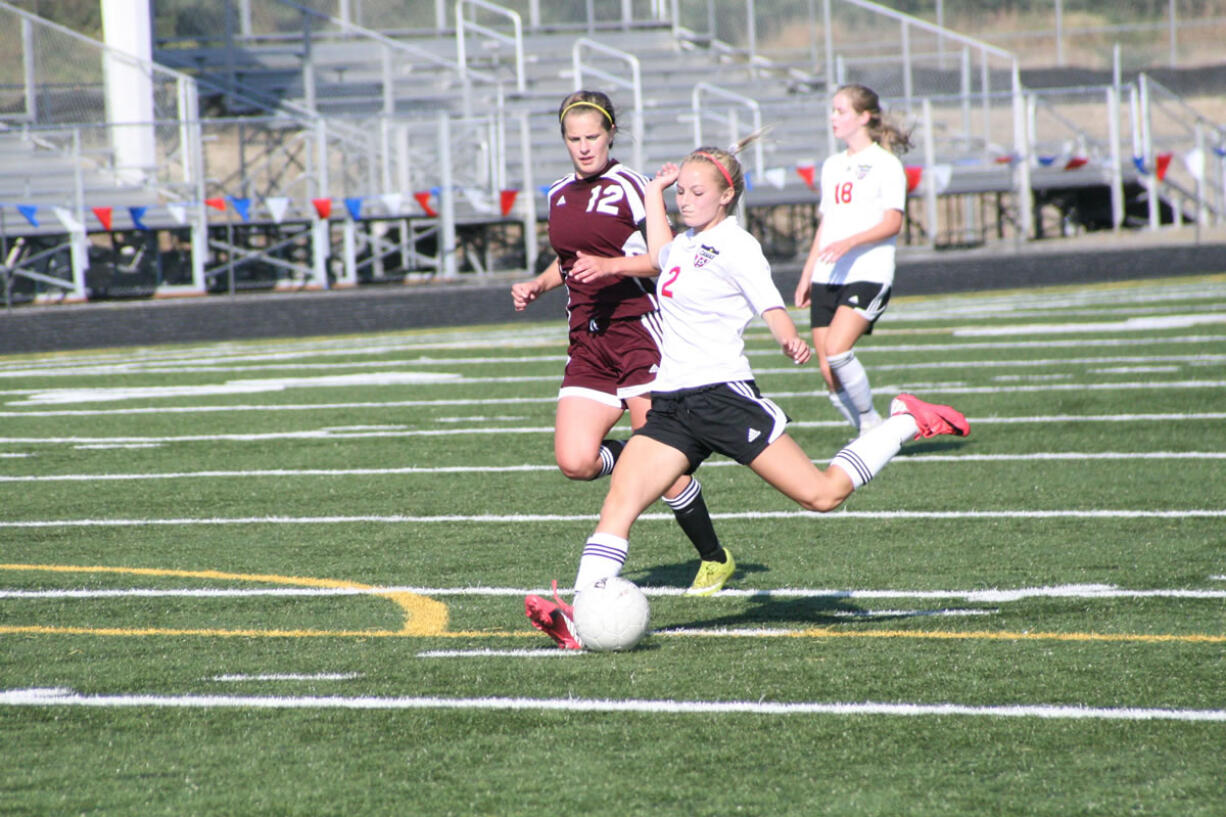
[(692, 515), (603, 556), (864, 457), (610, 450)]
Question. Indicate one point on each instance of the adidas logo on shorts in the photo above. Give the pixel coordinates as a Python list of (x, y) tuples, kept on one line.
[(753, 435)]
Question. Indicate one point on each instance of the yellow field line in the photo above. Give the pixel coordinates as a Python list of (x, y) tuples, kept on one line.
[(423, 616)]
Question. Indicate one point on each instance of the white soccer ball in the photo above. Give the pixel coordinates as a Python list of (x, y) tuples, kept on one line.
[(611, 615)]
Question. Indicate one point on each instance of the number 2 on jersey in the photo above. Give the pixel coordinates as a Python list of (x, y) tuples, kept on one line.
[(666, 287)]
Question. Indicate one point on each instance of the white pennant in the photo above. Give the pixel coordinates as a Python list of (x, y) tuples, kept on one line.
[(776, 177), (939, 176), (477, 199), (178, 212), (1195, 161), (277, 205), (392, 202), (70, 223)]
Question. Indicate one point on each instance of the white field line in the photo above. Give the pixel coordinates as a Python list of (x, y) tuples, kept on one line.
[(45, 398), (413, 470), (982, 596), (926, 389), (410, 367), (60, 696), (317, 676), (330, 433), (551, 652), (126, 362), (1189, 513), (1179, 321), (1200, 359)]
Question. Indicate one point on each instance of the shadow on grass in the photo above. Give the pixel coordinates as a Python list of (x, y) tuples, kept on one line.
[(835, 608)]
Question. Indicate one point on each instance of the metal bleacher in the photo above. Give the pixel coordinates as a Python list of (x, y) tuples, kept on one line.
[(297, 147)]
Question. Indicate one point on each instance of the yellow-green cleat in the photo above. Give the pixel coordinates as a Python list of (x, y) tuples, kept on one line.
[(712, 575)]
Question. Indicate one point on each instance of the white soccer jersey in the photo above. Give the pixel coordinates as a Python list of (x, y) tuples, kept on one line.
[(711, 285), (857, 190)]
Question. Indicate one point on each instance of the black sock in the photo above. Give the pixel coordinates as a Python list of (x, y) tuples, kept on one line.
[(691, 511), (610, 450)]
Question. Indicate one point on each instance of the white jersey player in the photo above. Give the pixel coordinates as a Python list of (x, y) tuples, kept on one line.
[(713, 280), (596, 218), (849, 273)]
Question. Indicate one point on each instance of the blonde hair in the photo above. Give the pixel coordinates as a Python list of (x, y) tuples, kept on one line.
[(728, 170), (881, 128)]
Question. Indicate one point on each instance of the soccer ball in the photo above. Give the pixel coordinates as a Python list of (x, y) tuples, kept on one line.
[(611, 615)]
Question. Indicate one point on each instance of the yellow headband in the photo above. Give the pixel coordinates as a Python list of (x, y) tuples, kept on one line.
[(584, 102)]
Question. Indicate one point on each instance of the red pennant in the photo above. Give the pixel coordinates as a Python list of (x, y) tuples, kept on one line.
[(323, 207), (914, 174), (508, 200), (1075, 162), (1162, 161), (104, 216), (218, 203), (806, 173), (423, 198)]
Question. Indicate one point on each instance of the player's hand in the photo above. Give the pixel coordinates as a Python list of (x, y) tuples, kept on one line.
[(803, 291), (524, 293), (834, 251), (591, 267), (797, 350), (666, 175)]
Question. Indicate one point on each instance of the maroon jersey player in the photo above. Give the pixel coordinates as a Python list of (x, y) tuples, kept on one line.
[(596, 218)]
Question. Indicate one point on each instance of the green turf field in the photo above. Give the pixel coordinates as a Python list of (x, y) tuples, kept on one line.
[(287, 578)]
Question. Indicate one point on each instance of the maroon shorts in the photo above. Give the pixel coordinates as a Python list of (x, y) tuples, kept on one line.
[(612, 362)]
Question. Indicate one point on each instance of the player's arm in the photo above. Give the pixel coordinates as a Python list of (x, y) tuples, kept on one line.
[(779, 322), (593, 267), (525, 292), (890, 225), (659, 231), (804, 285)]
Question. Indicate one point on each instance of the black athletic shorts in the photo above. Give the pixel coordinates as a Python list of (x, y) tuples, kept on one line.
[(867, 299), (733, 419)]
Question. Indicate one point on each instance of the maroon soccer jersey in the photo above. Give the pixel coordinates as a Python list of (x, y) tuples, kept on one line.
[(601, 215)]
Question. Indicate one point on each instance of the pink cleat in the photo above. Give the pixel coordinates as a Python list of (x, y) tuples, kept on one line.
[(930, 418), (554, 618)]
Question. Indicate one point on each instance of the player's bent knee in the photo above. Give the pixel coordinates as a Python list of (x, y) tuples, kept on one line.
[(578, 469), (821, 502)]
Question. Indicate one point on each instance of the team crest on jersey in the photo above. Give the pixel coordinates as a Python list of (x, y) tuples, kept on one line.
[(862, 171), (705, 253)]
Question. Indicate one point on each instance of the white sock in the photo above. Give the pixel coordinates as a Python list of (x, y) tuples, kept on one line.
[(842, 402), (854, 380), (603, 556), (864, 457)]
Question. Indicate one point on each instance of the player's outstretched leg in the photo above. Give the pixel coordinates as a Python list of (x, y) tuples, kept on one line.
[(931, 419)]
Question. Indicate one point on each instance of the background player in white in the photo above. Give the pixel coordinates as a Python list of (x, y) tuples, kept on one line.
[(713, 281), (595, 222), (848, 275)]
